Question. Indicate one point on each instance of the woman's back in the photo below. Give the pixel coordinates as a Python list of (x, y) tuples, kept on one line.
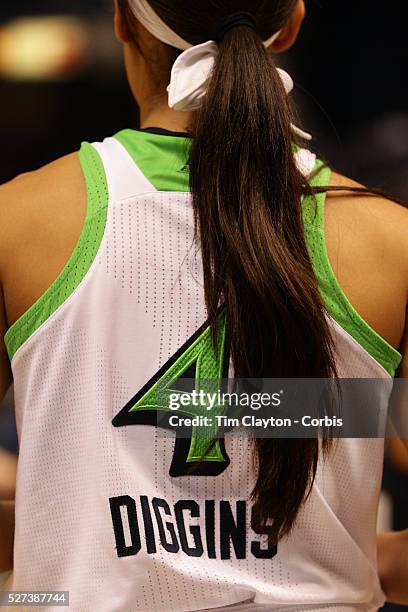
[(363, 233), (114, 515), (155, 262)]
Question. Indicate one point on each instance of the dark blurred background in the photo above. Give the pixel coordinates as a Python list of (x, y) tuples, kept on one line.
[(347, 65), (62, 81)]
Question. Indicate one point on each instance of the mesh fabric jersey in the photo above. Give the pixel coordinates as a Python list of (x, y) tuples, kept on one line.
[(105, 506)]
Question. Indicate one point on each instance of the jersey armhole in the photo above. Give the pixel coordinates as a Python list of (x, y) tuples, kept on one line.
[(81, 257), (337, 304)]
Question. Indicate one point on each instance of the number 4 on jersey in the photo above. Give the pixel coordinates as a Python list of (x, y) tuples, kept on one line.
[(196, 361)]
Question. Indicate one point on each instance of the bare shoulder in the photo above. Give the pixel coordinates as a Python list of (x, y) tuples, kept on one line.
[(370, 220), (367, 244), (35, 198), (366, 204), (41, 217)]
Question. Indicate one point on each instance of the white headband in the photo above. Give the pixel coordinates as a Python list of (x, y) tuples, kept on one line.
[(192, 69)]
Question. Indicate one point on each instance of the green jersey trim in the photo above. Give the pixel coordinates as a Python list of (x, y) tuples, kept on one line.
[(80, 260), (161, 158), (336, 301)]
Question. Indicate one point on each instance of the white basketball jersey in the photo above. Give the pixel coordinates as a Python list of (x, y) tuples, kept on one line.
[(111, 513)]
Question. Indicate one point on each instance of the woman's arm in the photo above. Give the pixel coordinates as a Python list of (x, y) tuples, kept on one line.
[(392, 550), (8, 468), (5, 370), (6, 507), (6, 535), (392, 547)]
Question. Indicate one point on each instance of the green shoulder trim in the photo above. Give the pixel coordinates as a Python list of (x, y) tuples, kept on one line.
[(81, 258), (161, 158), (336, 301)]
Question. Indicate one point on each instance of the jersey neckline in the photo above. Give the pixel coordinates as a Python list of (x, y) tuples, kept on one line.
[(163, 132)]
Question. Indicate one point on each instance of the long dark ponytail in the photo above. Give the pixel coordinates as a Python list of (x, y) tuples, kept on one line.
[(246, 193)]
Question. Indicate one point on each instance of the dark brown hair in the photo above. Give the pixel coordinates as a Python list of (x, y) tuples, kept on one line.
[(246, 194)]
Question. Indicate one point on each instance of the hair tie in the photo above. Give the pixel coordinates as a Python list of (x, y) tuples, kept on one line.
[(192, 69), (242, 18)]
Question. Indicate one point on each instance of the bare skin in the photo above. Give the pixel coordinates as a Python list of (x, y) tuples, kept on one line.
[(8, 463), (42, 213)]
